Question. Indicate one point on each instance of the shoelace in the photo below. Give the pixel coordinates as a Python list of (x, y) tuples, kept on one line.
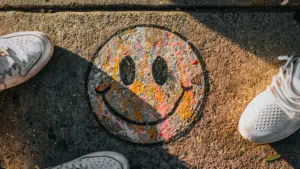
[(16, 53), (14, 69), (282, 88), (3, 52)]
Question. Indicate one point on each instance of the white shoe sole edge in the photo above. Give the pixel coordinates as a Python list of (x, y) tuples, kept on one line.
[(38, 66), (117, 156)]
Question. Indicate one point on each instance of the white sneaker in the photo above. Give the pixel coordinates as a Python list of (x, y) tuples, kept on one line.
[(98, 160), (22, 55), (274, 114)]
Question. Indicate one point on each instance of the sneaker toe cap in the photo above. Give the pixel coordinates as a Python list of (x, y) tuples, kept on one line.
[(263, 121)]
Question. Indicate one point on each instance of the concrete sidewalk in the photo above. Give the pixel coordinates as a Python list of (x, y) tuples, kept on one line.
[(143, 3), (47, 120)]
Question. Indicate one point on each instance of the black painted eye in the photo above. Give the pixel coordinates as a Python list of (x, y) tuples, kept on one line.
[(160, 70), (127, 70)]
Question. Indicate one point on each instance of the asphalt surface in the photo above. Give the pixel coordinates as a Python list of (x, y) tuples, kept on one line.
[(143, 3), (47, 120)]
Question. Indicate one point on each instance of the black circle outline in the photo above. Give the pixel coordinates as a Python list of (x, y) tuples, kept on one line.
[(200, 106)]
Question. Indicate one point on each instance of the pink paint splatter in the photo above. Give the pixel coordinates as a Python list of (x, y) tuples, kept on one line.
[(166, 130), (177, 43), (162, 108), (179, 53), (137, 46), (284, 2)]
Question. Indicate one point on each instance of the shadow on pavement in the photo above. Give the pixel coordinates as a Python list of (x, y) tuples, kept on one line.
[(47, 121), (289, 149), (265, 34)]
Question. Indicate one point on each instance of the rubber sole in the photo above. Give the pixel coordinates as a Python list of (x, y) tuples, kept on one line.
[(114, 155)]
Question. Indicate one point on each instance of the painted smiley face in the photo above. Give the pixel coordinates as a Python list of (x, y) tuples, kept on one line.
[(146, 85)]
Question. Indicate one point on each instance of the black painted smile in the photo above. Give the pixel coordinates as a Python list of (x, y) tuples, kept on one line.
[(116, 113)]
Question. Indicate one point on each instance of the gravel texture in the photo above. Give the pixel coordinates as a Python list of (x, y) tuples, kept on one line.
[(47, 120), (145, 3)]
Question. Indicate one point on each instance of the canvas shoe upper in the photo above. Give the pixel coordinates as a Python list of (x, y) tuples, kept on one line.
[(22, 55), (98, 160)]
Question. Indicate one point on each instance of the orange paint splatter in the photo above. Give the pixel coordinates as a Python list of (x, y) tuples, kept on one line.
[(100, 109), (137, 111), (184, 111), (153, 133), (96, 100)]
